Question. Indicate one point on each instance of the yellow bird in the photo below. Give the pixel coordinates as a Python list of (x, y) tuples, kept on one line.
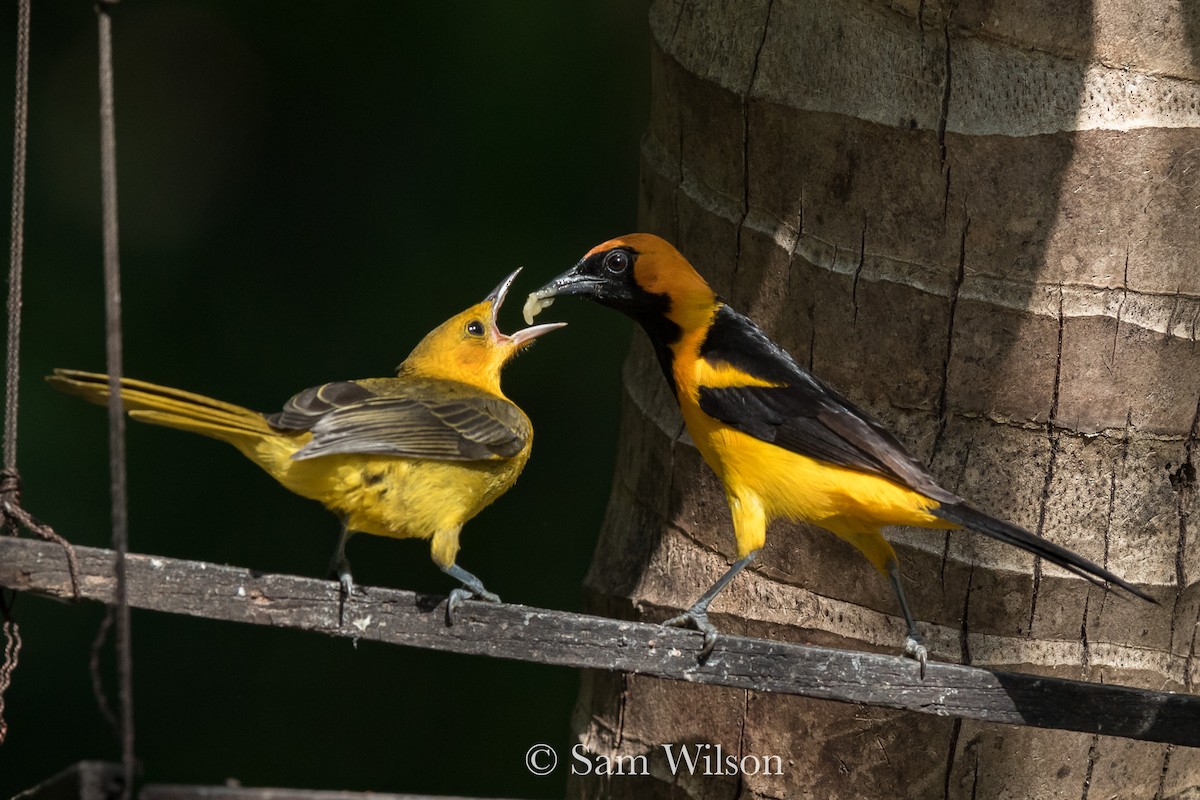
[(414, 456)]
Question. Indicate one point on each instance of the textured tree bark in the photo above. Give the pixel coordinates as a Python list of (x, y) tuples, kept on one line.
[(979, 221)]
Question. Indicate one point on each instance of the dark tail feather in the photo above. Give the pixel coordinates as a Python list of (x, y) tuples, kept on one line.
[(968, 517)]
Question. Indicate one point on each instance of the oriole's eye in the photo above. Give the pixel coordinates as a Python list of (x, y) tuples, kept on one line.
[(617, 262), (475, 328)]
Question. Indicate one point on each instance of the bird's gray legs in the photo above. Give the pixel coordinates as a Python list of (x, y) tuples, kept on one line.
[(339, 565), (697, 615), (913, 648), (472, 587)]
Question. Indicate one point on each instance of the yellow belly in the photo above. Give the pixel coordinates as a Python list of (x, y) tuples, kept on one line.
[(390, 495), (764, 480)]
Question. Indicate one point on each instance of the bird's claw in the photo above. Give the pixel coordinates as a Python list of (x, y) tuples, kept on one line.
[(698, 619), (339, 569), (345, 591), (457, 596), (915, 650)]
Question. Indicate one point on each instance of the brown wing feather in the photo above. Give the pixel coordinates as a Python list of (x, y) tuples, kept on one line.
[(306, 408), (416, 419)]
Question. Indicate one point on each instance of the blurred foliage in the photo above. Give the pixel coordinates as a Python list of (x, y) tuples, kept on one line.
[(305, 190)]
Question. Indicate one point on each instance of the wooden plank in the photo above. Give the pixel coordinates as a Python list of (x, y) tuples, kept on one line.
[(100, 780), (577, 640), (83, 780), (187, 792)]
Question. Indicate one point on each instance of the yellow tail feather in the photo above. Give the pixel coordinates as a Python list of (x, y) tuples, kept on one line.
[(162, 405)]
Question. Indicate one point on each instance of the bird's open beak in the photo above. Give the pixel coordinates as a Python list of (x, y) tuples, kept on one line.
[(570, 282), (525, 335)]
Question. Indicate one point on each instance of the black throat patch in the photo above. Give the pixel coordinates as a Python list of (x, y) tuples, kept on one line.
[(663, 333)]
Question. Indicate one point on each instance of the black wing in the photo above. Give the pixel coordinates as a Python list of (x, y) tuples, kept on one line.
[(436, 420), (801, 413)]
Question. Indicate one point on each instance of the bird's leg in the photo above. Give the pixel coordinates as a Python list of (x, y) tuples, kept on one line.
[(472, 587), (913, 648), (339, 565), (697, 616)]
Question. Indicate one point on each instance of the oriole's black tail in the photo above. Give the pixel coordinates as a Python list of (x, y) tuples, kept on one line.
[(976, 520)]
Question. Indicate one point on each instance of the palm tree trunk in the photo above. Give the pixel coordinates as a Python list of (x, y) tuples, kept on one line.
[(979, 221)]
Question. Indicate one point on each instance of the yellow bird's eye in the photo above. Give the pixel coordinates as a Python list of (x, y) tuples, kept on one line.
[(475, 328)]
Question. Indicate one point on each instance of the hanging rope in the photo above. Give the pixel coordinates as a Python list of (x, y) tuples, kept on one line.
[(17, 238), (14, 516), (116, 415), (94, 670), (12, 649), (10, 480)]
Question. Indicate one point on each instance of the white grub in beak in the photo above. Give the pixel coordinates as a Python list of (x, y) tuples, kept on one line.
[(525, 335), (534, 305)]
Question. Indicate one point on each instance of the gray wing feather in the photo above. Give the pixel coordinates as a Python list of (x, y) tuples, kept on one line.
[(458, 429), (306, 408)]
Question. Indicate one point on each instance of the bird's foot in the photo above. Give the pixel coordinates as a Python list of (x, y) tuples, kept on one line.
[(915, 650), (697, 618), (346, 580), (457, 596), (341, 571)]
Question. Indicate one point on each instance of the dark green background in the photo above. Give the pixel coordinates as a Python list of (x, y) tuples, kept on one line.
[(305, 190)]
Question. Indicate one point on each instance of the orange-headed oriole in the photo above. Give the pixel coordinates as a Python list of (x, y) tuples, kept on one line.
[(783, 442), (417, 455)]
